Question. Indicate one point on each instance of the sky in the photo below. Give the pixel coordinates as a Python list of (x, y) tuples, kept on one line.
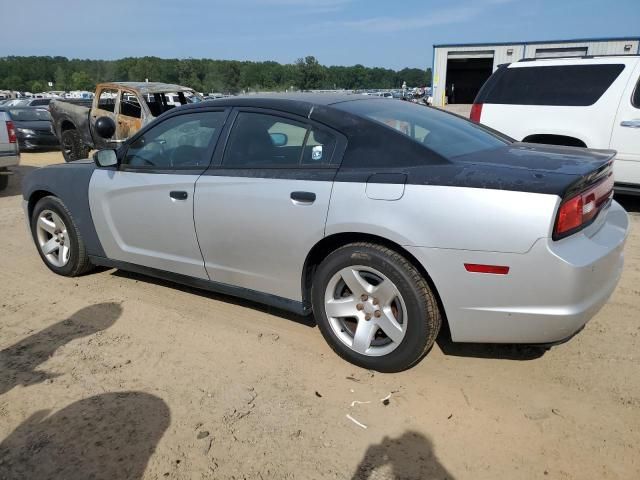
[(383, 33)]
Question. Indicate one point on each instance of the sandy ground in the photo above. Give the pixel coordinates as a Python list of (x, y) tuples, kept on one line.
[(118, 376)]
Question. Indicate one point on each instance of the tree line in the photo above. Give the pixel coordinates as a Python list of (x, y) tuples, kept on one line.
[(225, 76)]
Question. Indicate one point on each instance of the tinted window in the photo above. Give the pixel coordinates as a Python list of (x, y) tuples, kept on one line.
[(567, 85), (107, 100), (40, 102), (445, 134), (183, 141), (266, 141), (129, 105), (29, 114), (635, 100)]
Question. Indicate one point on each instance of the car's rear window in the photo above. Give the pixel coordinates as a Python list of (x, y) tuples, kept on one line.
[(30, 114), (447, 135), (559, 85)]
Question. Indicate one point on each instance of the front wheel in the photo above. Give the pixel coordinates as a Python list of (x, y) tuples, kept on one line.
[(374, 307), (58, 239)]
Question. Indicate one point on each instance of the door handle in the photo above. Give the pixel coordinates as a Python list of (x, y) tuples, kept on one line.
[(303, 198), (630, 123), (179, 195)]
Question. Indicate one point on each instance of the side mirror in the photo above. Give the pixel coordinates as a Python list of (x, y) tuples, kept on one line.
[(279, 139), (105, 127), (105, 158)]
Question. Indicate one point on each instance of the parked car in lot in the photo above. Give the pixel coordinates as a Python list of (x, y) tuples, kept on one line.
[(587, 102), (130, 105), (382, 218), (9, 153), (33, 128)]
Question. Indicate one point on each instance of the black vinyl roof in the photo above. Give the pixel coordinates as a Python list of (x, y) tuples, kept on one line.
[(297, 103)]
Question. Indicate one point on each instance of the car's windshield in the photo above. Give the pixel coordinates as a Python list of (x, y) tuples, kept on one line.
[(29, 114), (445, 134)]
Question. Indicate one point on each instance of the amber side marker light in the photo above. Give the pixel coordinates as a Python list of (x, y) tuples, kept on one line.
[(493, 269)]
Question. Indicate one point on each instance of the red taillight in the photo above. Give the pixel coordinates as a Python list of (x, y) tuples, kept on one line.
[(476, 112), (11, 131), (479, 268), (578, 211)]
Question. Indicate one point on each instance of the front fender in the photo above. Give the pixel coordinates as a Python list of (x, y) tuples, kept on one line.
[(70, 183)]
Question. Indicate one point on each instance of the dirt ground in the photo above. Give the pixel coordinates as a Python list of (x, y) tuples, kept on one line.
[(119, 376)]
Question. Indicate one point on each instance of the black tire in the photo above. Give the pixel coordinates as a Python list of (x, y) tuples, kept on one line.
[(4, 181), (72, 146), (424, 319), (78, 263)]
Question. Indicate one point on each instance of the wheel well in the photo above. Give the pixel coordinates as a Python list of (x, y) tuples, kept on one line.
[(328, 244), (67, 125), (555, 140), (35, 198)]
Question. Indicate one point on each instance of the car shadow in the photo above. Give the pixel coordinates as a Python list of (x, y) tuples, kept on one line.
[(108, 436), (15, 181), (631, 203), (410, 456), (501, 351), (19, 362), (306, 320)]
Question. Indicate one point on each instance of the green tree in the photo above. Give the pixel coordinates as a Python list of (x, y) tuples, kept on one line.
[(38, 86), (60, 79), (310, 73), (81, 81)]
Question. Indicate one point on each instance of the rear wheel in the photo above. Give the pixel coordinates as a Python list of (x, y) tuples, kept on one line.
[(58, 239), (72, 146), (374, 308)]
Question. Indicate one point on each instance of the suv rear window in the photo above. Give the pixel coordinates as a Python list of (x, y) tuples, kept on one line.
[(559, 85)]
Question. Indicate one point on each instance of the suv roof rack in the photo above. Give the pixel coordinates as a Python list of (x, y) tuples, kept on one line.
[(581, 56)]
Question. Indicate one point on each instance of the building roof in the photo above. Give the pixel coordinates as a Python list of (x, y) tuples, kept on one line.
[(539, 42)]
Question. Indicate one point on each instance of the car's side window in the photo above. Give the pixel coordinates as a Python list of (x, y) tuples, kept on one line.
[(182, 141), (107, 100), (129, 105), (318, 149), (635, 99), (266, 141)]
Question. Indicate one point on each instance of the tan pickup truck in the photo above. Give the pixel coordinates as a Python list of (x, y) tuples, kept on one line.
[(129, 104)]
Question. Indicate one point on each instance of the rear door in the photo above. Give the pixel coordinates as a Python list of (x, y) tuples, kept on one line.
[(625, 137), (143, 211), (263, 207)]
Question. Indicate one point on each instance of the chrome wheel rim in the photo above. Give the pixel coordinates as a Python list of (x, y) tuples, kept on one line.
[(365, 310), (53, 240)]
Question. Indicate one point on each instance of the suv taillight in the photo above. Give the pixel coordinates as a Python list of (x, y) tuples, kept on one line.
[(577, 212), (11, 131), (476, 112)]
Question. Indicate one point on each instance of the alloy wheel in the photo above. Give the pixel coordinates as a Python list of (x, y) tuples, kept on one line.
[(53, 239), (365, 310)]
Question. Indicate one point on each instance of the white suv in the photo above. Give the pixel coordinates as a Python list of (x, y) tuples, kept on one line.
[(585, 102)]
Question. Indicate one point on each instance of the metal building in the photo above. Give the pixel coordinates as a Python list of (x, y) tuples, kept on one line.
[(459, 70)]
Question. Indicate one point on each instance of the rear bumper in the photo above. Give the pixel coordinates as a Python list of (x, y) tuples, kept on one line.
[(550, 292), (35, 142), (9, 159)]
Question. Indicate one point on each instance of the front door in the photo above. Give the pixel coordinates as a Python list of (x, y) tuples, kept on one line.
[(106, 105), (143, 211), (260, 212), (625, 137)]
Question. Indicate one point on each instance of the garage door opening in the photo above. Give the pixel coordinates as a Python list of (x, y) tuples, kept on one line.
[(465, 76)]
